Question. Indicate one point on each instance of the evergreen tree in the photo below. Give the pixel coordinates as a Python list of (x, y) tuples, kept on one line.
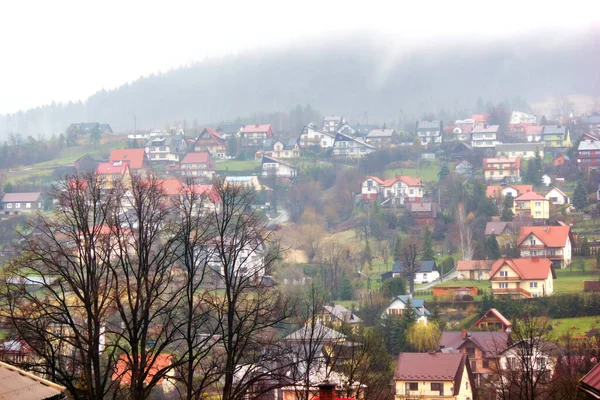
[(538, 164), (579, 196), (427, 247), (544, 120), (367, 253), (409, 316), (346, 291), (436, 315), (530, 173), (585, 247), (8, 187), (492, 248), (444, 172), (507, 208), (398, 248)]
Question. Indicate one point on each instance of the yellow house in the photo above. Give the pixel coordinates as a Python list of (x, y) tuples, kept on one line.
[(556, 136), (335, 315), (502, 169), (522, 277), (532, 205), (112, 172), (433, 376)]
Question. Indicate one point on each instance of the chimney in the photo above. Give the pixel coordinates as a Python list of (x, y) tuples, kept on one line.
[(463, 334), (327, 391)]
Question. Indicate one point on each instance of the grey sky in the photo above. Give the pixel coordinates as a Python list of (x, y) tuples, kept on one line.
[(66, 50)]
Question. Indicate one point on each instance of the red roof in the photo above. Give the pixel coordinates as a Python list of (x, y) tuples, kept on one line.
[(530, 196), (176, 187), (110, 168), (431, 367), (123, 372), (258, 128), (213, 133), (480, 117), (408, 180), (551, 236), (495, 190), (515, 163), (534, 129), (135, 157), (526, 268), (496, 314), (199, 158), (592, 379)]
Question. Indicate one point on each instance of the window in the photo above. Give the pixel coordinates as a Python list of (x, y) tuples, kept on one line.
[(17, 205), (503, 273), (486, 363), (27, 205), (533, 242), (471, 352), (534, 252), (437, 387), (8, 205), (538, 203), (538, 213), (503, 285), (540, 362), (412, 386), (512, 362), (552, 252), (533, 285)]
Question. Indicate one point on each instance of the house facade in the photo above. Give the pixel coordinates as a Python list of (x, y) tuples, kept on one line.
[(165, 149), (282, 148), (502, 169), (346, 146), (533, 133), (381, 137), (588, 154), (275, 168), (135, 157), (398, 190), (552, 242), (557, 196), (335, 315), (399, 303), (331, 123), (475, 270), (429, 131), (521, 150), (256, 134), (314, 138), (556, 137), (493, 320), (433, 376), (522, 277), (498, 191), (484, 136), (19, 203), (197, 164), (532, 205), (427, 272), (210, 141), (112, 173)]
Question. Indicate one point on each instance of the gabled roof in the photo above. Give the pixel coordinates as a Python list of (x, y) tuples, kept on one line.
[(431, 367), (590, 383), (480, 117), (428, 125), (267, 159), (123, 371), (485, 129), (473, 265), (214, 135), (530, 196), (258, 128), (589, 145), (342, 313), (492, 343), (496, 190), (381, 133), (408, 180), (525, 268), (197, 158), (551, 236), (230, 129), (320, 332), (425, 266), (21, 197), (288, 144), (16, 383), (554, 130), (135, 157), (416, 303), (496, 314), (343, 137), (534, 130), (555, 189), (112, 168)]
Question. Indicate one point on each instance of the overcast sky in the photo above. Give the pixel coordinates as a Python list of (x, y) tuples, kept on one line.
[(67, 50)]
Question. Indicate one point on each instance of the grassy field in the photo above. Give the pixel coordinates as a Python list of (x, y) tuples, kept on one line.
[(570, 280), (427, 174), (238, 166), (575, 326)]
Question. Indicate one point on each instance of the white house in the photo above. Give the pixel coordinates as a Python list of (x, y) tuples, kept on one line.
[(557, 196), (398, 305), (272, 167), (427, 272), (348, 147), (165, 148), (311, 136), (539, 354), (552, 242), (429, 131), (519, 117), (484, 136), (332, 122), (400, 189)]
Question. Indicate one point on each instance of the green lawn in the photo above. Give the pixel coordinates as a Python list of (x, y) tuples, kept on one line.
[(427, 174), (575, 326), (570, 280), (238, 166)]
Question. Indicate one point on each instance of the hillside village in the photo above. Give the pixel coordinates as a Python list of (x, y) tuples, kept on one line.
[(455, 259)]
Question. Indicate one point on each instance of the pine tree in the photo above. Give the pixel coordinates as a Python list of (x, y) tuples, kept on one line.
[(507, 208), (444, 172), (398, 248), (346, 291), (530, 173), (492, 248), (427, 247), (579, 196), (538, 164)]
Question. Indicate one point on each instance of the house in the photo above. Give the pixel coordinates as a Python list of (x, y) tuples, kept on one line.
[(461, 133), (556, 137), (532, 205), (89, 128), (313, 138), (591, 122), (522, 277), (113, 172), (198, 164), (273, 167), (502, 169), (474, 270), (399, 303), (422, 210), (19, 203), (122, 372), (324, 384), (250, 181), (336, 315), (533, 133), (464, 168), (493, 320), (228, 131), (484, 136), (483, 349), (499, 192), (588, 154), (320, 332), (521, 150), (519, 117), (331, 123), (361, 130), (433, 375), (498, 228), (19, 384), (382, 137), (535, 357), (553, 242), (557, 196), (281, 148), (429, 131), (135, 157), (427, 272), (256, 134), (350, 130), (560, 160), (346, 146), (479, 119), (398, 190), (209, 140), (165, 149), (518, 129), (590, 383), (85, 164), (465, 123)]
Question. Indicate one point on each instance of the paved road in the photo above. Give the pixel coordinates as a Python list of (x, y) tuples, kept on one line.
[(429, 285), (281, 218)]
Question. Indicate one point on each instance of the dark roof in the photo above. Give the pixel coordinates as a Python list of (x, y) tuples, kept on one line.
[(426, 266), (428, 125), (230, 129), (16, 383), (554, 130), (590, 383), (416, 303), (166, 140), (431, 367), (491, 343)]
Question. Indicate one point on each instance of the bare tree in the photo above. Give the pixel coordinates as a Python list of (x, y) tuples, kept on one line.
[(332, 256), (466, 235), (411, 264), (61, 316)]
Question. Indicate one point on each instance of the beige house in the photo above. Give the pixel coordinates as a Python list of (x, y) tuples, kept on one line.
[(552, 242), (522, 277), (433, 376), (475, 270), (502, 169)]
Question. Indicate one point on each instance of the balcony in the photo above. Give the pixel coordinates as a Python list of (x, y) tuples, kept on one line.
[(532, 246), (512, 291), (505, 278)]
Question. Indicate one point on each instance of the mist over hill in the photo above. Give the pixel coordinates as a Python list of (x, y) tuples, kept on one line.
[(345, 77)]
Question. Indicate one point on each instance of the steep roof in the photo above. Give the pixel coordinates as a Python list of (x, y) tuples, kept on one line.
[(485, 129), (258, 128), (473, 265), (135, 157), (560, 192), (197, 158), (495, 190), (431, 367), (551, 236), (16, 383), (492, 343), (526, 268), (21, 197), (416, 303), (110, 168), (320, 332), (530, 196), (342, 313), (590, 383), (123, 372), (496, 314), (213, 134)]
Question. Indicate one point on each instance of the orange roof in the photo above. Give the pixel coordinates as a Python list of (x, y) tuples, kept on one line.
[(534, 129), (200, 157), (408, 180), (515, 161), (495, 190), (135, 157), (123, 372), (526, 268), (551, 236), (480, 117), (258, 128), (171, 186), (213, 134), (530, 196), (110, 168), (176, 187), (497, 314)]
